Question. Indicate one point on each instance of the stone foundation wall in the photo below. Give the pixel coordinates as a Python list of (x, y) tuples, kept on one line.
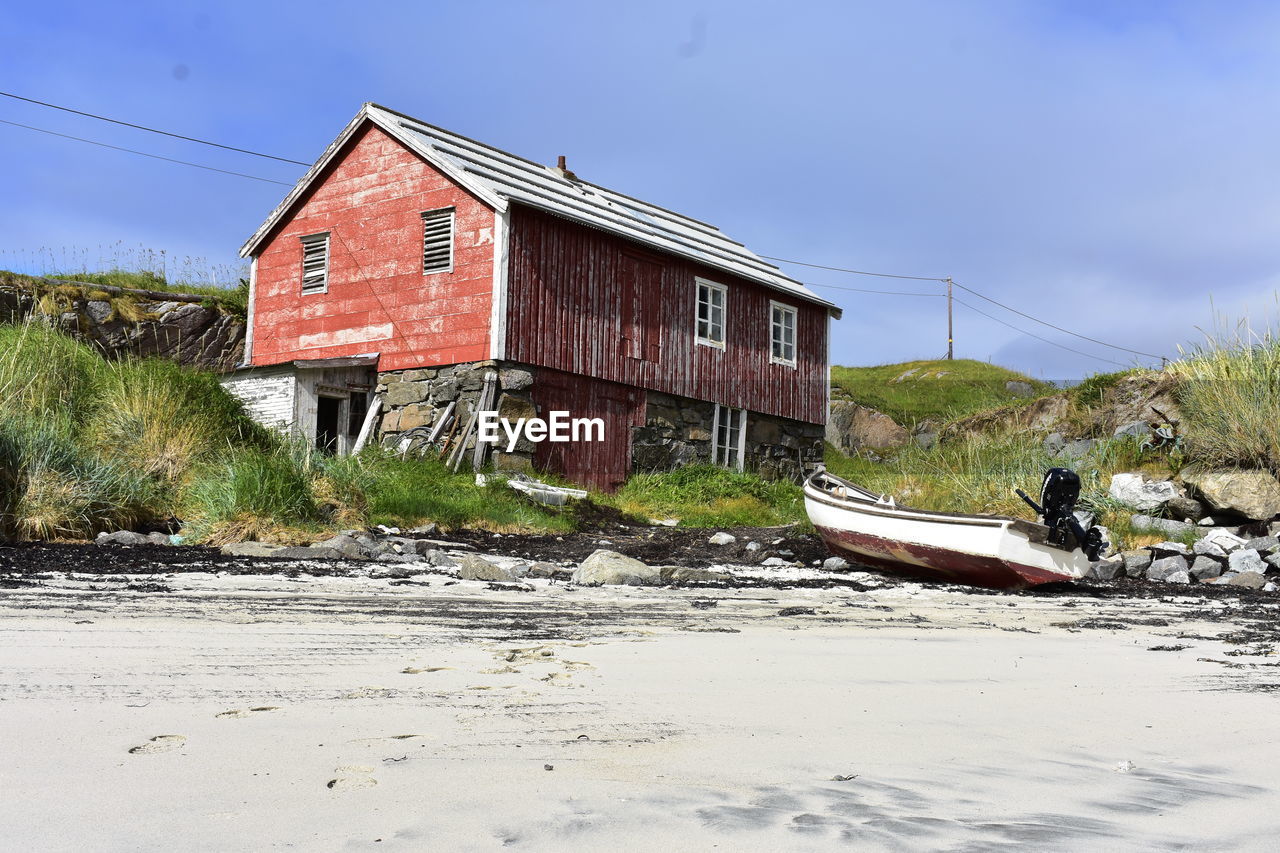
[(677, 430), (419, 397)]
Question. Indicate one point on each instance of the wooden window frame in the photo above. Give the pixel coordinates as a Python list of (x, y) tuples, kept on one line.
[(453, 222), (306, 241), (733, 452), (774, 325), (699, 338)]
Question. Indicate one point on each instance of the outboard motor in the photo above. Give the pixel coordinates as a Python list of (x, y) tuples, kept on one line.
[(1058, 495)]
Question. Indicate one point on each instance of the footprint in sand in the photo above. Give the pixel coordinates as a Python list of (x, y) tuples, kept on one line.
[(159, 743), (352, 776)]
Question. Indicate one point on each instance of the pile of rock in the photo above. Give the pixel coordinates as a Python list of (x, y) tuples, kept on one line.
[(1199, 498), (1218, 557)]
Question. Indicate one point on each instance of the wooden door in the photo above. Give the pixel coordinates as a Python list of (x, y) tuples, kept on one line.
[(602, 465)]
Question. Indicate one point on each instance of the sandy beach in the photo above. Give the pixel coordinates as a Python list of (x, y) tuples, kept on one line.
[(346, 712)]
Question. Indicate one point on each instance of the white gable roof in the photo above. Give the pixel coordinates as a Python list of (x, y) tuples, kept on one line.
[(499, 178)]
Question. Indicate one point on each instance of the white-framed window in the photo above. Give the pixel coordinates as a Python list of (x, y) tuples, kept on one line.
[(315, 263), (782, 334), (729, 437), (712, 301), (437, 241)]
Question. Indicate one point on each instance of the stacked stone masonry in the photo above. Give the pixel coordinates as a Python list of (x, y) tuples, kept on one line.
[(677, 430)]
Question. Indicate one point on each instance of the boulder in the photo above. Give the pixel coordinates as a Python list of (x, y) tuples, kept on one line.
[(346, 546), (1224, 539), (1261, 544), (1136, 492), (544, 570), (159, 539), (1078, 449), (1167, 526), (722, 538), (1054, 443), (851, 428), (753, 546), (1206, 547), (430, 529), (835, 564), (1252, 494), (1185, 509), (1161, 569), (1133, 428), (1019, 388), (250, 549), (438, 558), (473, 567), (1246, 560), (1168, 549), (1178, 577), (1249, 580), (684, 574), (611, 568), (1136, 562), (122, 537), (1205, 568), (1109, 569)]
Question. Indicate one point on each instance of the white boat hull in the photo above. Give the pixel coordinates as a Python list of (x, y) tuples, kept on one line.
[(978, 550)]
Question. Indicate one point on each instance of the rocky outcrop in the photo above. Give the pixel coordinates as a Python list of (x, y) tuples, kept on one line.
[(1249, 494), (852, 427), (197, 334)]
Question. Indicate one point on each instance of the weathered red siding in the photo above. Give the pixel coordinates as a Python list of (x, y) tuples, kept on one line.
[(589, 303), (378, 300), (600, 464)]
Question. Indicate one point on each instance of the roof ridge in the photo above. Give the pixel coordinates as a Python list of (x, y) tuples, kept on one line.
[(505, 153)]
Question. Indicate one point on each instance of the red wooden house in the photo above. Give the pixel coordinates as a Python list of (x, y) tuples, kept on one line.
[(410, 262)]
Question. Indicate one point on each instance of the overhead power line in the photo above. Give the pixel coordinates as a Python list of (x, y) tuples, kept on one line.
[(864, 290), (1037, 337), (1052, 326), (857, 272), (975, 293), (153, 130), (145, 154)]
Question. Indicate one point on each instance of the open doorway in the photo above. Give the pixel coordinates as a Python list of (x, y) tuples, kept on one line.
[(328, 418)]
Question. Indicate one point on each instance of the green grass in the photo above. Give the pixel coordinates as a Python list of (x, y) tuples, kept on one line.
[(232, 300), (1229, 393), (413, 491), (709, 496), (937, 390)]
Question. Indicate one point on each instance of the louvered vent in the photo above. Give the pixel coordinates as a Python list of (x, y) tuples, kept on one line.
[(315, 263), (437, 240)]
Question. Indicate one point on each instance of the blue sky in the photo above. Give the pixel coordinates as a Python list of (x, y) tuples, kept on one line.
[(1110, 167)]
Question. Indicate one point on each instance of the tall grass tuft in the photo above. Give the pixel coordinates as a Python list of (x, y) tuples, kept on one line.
[(50, 488), (1230, 399)]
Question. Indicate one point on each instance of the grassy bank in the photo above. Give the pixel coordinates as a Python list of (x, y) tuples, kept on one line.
[(940, 390), (53, 299), (88, 445)]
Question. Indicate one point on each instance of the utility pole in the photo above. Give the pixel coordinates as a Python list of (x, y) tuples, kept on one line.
[(950, 332)]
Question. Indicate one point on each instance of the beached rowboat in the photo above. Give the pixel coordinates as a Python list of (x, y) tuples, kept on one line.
[(979, 550)]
